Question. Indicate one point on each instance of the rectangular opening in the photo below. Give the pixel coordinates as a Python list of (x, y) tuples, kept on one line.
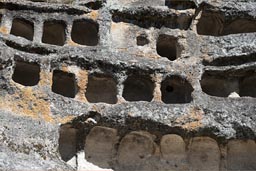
[(64, 83), (147, 18), (180, 4), (54, 32), (224, 85), (85, 32), (22, 28), (27, 74), (216, 24), (176, 90), (138, 88), (101, 88), (167, 47)]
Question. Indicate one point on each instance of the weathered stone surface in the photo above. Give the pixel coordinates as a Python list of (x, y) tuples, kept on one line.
[(173, 150), (206, 47), (204, 154), (27, 144), (241, 155), (135, 148), (100, 146)]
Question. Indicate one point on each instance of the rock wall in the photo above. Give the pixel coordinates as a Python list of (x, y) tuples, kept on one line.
[(127, 85)]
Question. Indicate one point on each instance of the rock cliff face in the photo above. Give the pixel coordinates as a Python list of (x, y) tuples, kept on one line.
[(128, 85)]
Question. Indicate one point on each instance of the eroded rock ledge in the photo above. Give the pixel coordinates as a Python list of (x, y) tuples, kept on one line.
[(121, 147), (127, 85)]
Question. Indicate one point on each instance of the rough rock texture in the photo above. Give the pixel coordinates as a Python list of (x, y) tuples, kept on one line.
[(128, 85)]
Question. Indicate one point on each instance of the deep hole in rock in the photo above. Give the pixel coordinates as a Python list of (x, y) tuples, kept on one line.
[(27, 74), (231, 60), (142, 40), (29, 48), (95, 5), (180, 4), (64, 83), (169, 89), (210, 24), (54, 32), (247, 86), (54, 1), (138, 88), (176, 90), (101, 88), (85, 32), (240, 26), (22, 28), (146, 18), (219, 85), (38, 0), (215, 24), (167, 47)]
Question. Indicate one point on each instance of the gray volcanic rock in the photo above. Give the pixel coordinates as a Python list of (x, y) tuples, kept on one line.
[(28, 144), (127, 85)]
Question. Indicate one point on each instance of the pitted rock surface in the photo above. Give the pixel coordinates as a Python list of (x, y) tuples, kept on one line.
[(128, 85)]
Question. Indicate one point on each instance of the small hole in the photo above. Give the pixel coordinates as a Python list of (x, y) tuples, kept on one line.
[(166, 47), (141, 157), (179, 4), (22, 28), (220, 86), (54, 33), (138, 88), (176, 90), (248, 85), (215, 24), (210, 24), (169, 89), (64, 83), (142, 40), (225, 85), (85, 32), (94, 5), (27, 74), (101, 88), (1, 18)]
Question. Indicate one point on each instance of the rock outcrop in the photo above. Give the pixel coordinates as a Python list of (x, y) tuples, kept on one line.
[(128, 85)]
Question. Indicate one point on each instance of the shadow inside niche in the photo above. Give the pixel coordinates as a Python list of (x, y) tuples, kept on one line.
[(67, 142), (243, 132), (73, 133), (180, 4)]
